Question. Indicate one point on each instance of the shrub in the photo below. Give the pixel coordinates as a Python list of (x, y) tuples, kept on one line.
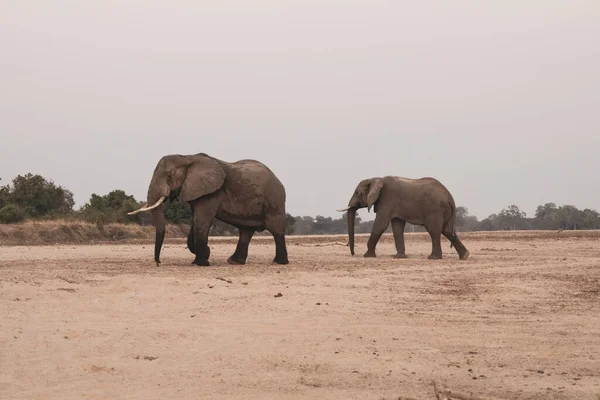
[(11, 214), (110, 208)]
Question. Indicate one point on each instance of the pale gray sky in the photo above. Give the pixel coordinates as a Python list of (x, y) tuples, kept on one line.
[(497, 99)]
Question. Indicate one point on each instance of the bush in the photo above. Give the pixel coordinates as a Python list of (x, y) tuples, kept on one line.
[(178, 212), (110, 208), (12, 214), (39, 196)]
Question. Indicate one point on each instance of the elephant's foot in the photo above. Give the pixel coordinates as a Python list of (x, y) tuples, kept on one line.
[(236, 261), (370, 254), (201, 261), (435, 257), (282, 260), (465, 255), (401, 255), (206, 251)]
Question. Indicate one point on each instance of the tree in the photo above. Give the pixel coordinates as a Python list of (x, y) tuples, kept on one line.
[(110, 208), (4, 196), (11, 214), (546, 216), (178, 212), (464, 221), (487, 224), (512, 218), (569, 217), (591, 219), (304, 225), (513, 212), (37, 196), (322, 225), (290, 222), (549, 216)]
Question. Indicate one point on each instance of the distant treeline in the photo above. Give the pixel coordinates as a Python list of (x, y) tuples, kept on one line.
[(35, 197)]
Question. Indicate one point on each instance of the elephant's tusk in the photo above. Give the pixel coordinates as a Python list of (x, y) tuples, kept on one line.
[(158, 203), (345, 209)]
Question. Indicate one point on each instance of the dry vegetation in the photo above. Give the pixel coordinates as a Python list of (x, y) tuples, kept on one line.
[(519, 320), (79, 232)]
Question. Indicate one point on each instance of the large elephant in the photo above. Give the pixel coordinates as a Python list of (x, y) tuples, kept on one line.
[(400, 200), (245, 194)]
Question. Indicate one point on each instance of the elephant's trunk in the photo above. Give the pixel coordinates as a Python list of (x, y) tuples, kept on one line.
[(351, 219), (159, 222)]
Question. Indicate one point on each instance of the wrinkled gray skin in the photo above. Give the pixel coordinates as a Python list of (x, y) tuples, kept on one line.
[(400, 200), (245, 194)]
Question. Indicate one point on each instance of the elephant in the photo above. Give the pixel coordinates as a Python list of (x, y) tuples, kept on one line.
[(245, 194), (399, 200)]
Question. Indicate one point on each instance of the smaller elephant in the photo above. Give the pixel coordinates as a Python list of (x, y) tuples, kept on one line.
[(398, 200)]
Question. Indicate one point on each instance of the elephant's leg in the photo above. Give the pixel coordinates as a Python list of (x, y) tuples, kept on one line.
[(462, 251), (281, 255), (379, 226), (398, 229), (436, 245), (192, 246), (204, 214), (241, 251), (190, 241), (276, 225)]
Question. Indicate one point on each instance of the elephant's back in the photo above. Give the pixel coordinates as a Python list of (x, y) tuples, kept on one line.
[(250, 164), (256, 176), (425, 181), (425, 184), (257, 168)]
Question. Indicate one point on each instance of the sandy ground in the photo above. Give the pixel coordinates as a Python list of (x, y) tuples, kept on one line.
[(519, 320)]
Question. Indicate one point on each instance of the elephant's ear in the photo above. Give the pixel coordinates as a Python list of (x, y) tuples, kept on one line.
[(203, 176), (374, 191)]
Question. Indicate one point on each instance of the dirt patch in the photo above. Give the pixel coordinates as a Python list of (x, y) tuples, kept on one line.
[(67, 290), (460, 287), (102, 321)]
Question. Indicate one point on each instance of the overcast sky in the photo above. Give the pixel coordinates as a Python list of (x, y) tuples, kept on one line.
[(499, 100)]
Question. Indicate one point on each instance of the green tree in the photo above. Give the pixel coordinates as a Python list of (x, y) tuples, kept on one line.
[(110, 208), (178, 212), (11, 213), (4, 196), (38, 196)]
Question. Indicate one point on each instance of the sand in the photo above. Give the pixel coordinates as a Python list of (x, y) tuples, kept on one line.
[(519, 320)]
